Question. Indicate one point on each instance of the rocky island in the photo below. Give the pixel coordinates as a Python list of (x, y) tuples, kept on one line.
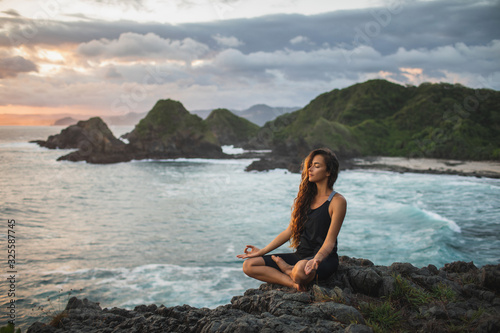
[(167, 131), (360, 297)]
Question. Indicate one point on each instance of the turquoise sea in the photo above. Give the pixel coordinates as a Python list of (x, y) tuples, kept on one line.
[(168, 232)]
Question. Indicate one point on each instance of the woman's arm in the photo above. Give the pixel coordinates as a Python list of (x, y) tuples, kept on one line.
[(337, 209), (281, 239)]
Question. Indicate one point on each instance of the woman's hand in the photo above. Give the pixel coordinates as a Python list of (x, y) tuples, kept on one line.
[(311, 265), (250, 252)]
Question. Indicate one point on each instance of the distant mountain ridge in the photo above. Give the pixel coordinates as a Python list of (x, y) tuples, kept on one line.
[(258, 114), (65, 119)]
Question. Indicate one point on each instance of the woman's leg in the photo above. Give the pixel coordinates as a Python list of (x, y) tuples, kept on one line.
[(257, 269), (296, 272)]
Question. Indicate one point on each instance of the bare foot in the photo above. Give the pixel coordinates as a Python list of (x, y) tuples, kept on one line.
[(285, 268), (288, 269)]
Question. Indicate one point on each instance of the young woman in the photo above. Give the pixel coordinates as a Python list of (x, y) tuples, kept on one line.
[(318, 213)]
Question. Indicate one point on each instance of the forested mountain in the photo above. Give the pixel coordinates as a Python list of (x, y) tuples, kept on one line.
[(230, 129), (378, 117)]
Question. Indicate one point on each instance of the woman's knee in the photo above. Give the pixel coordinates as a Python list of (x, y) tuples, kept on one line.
[(249, 265)]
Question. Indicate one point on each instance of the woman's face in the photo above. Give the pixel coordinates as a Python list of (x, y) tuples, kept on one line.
[(317, 170)]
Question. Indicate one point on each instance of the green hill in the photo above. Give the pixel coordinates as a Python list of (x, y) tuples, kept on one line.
[(378, 117), (230, 129), (169, 130)]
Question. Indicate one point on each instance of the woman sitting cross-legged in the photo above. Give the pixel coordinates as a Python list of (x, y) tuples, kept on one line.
[(317, 216)]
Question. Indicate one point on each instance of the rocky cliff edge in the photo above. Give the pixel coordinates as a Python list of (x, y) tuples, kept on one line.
[(360, 297)]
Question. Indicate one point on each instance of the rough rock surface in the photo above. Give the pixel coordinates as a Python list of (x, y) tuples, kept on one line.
[(93, 139), (459, 297)]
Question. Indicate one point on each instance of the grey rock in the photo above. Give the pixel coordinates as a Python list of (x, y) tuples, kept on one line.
[(357, 328), (459, 267), (366, 281), (340, 312), (490, 277), (405, 269), (329, 306), (436, 312)]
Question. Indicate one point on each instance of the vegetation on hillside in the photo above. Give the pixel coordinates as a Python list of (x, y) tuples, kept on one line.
[(378, 117), (229, 128), (168, 119)]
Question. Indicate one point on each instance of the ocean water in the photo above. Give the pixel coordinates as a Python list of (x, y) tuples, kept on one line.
[(168, 232)]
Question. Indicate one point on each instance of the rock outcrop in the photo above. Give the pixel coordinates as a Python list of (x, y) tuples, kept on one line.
[(93, 139), (360, 297)]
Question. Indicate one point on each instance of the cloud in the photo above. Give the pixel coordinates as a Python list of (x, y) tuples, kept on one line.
[(276, 59), (11, 12), (299, 40), (227, 41), (150, 45), (112, 73), (419, 24), (12, 66)]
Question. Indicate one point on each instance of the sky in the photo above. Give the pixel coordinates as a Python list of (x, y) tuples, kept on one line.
[(111, 57)]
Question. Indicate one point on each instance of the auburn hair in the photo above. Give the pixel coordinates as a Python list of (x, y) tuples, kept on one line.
[(308, 190)]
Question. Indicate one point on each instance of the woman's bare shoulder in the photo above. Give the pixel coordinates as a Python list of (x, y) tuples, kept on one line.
[(338, 200), (338, 197)]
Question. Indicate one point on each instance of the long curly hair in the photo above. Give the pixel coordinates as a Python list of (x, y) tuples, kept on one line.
[(308, 190)]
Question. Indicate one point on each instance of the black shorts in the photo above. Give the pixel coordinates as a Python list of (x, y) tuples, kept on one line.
[(327, 267)]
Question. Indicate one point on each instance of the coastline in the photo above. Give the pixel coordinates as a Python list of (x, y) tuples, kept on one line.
[(489, 169), (360, 297)]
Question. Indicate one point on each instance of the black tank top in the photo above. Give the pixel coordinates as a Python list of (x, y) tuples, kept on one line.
[(315, 230)]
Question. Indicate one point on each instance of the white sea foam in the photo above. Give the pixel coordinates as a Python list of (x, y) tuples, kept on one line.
[(272, 171), (243, 161), (231, 150), (163, 283), (451, 224)]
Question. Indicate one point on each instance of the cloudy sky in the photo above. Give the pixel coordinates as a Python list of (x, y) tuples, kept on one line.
[(110, 57)]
